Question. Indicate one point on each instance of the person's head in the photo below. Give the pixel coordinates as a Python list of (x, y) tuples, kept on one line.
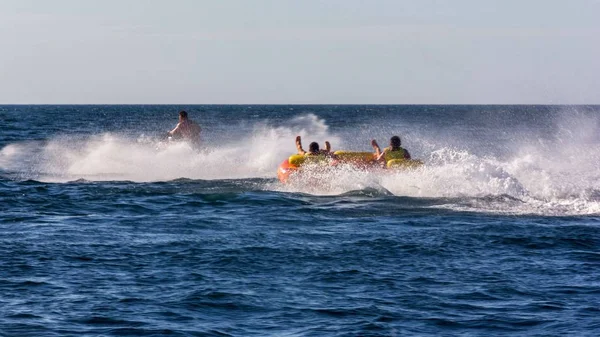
[(395, 142), (313, 147), (183, 115)]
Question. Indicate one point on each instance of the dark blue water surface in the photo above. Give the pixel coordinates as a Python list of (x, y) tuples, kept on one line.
[(106, 229)]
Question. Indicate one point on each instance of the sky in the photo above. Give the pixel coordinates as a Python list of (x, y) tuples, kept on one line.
[(299, 52)]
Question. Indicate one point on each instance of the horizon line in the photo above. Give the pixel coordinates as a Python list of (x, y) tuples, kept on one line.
[(307, 104)]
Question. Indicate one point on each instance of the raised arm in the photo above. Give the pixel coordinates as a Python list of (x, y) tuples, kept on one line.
[(327, 146), (299, 146), (377, 149), (172, 132)]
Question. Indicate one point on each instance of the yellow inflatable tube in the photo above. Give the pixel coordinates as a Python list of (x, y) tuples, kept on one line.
[(298, 159), (404, 163), (353, 156), (339, 156)]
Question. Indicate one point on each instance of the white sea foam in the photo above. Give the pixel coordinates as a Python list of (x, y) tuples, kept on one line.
[(557, 175), (110, 156)]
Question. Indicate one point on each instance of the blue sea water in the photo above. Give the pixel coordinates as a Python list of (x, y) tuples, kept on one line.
[(108, 229)]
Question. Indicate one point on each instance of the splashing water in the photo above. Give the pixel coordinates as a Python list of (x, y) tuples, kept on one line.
[(556, 174)]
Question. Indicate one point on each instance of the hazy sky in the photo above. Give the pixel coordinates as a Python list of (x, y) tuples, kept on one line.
[(300, 51)]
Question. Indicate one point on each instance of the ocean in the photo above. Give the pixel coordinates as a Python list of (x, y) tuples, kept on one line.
[(109, 229)]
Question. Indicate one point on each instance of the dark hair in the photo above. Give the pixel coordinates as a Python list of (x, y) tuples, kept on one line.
[(395, 141), (313, 147), (183, 114)]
